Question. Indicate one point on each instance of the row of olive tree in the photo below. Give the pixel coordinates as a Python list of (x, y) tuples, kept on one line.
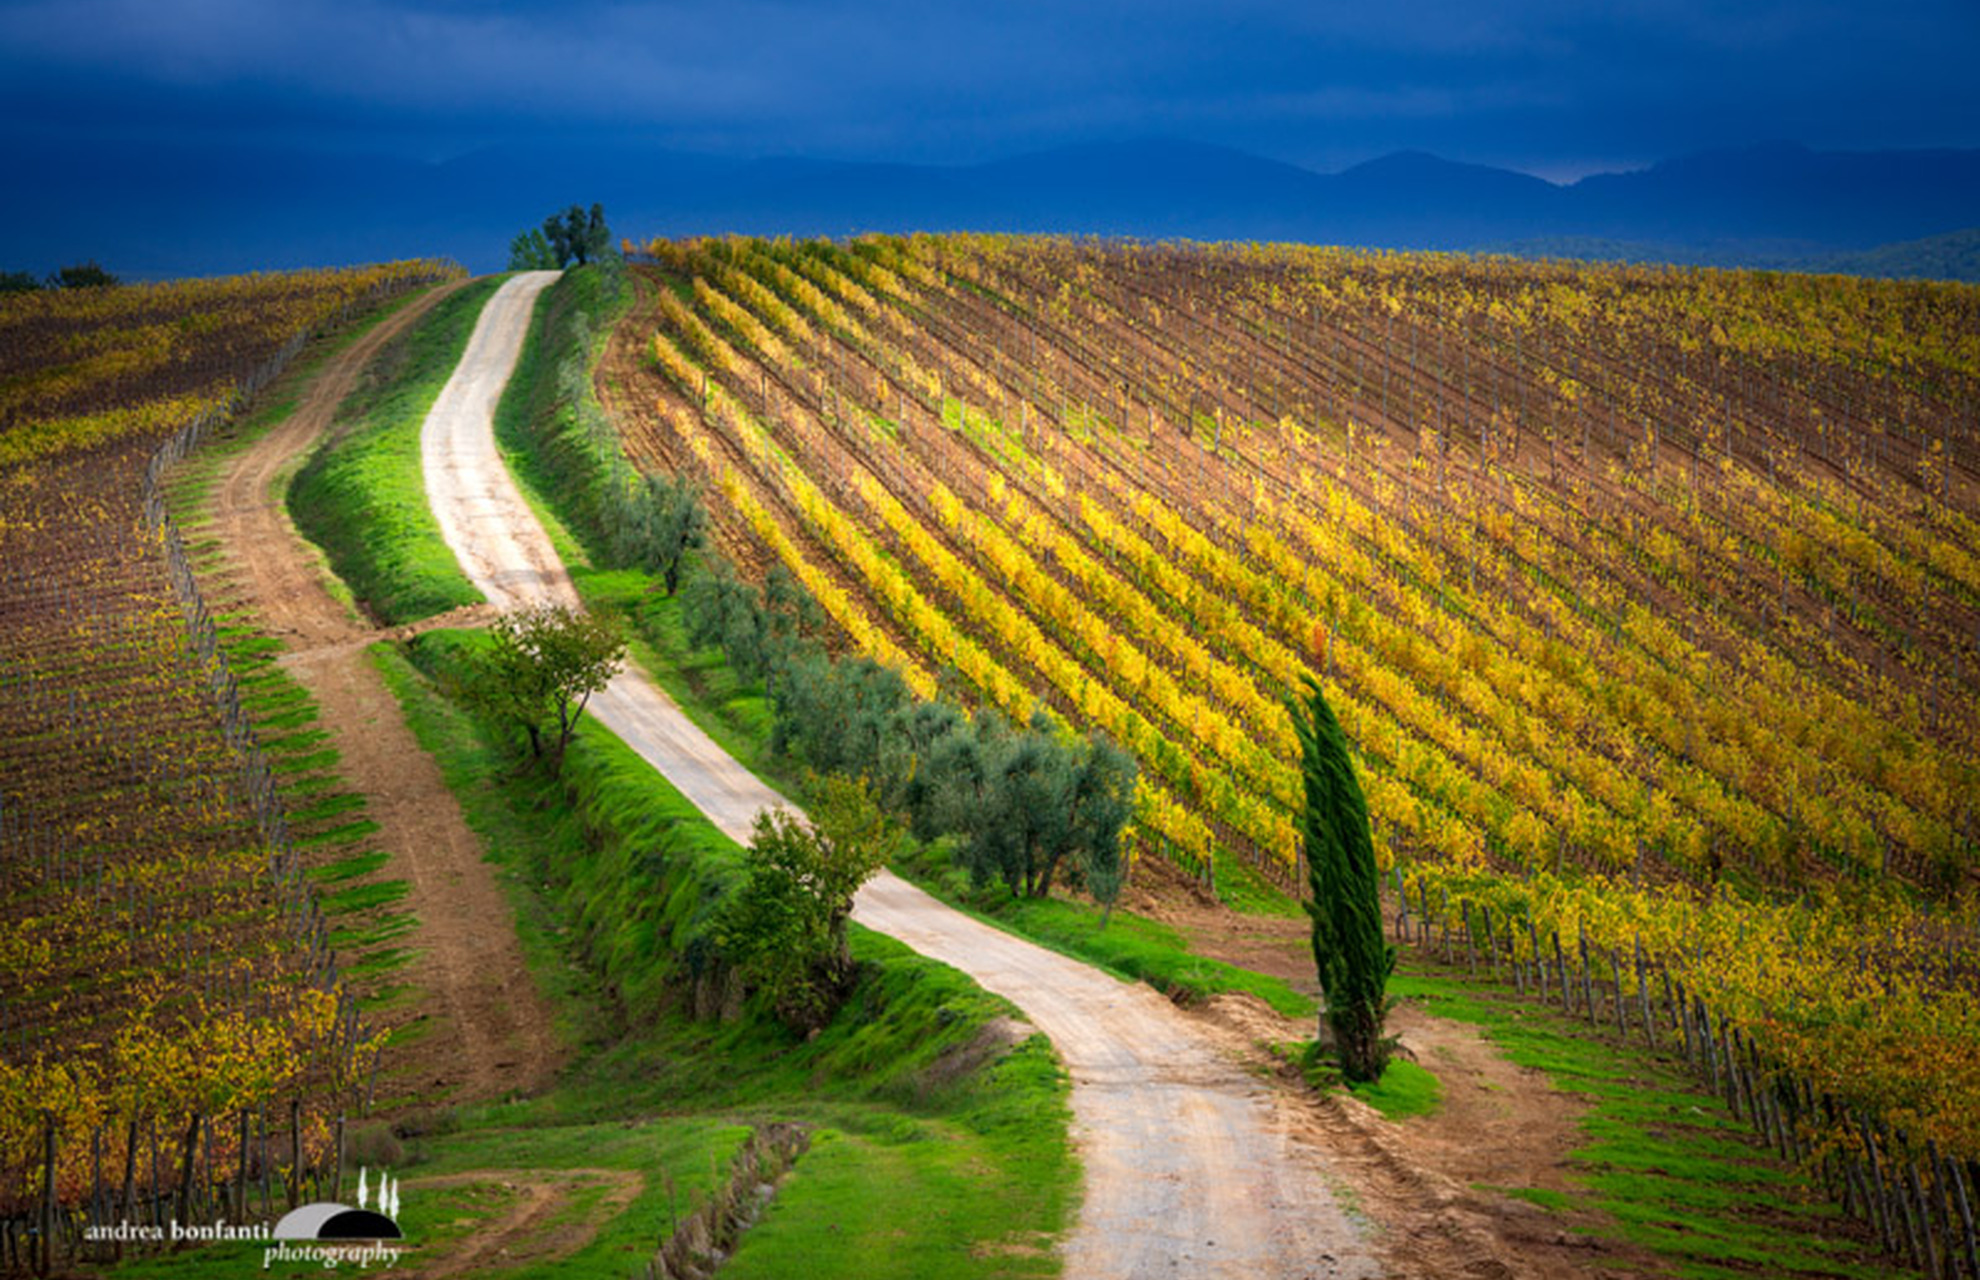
[(1029, 805)]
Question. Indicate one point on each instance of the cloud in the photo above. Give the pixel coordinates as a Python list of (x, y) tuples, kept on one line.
[(1320, 81)]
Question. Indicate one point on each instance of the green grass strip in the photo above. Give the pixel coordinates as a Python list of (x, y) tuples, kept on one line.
[(361, 496), (1668, 1168)]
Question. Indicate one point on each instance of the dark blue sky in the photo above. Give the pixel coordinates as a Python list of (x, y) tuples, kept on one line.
[(1554, 87)]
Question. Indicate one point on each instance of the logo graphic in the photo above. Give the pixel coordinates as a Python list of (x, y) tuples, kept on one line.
[(327, 1221)]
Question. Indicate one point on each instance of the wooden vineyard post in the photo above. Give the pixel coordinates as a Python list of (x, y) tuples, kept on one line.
[(1878, 1199), (97, 1209), (1587, 982), (1926, 1231), (157, 1182), (267, 1191), (46, 1258), (1643, 997), (1470, 953), (1965, 1204), (1736, 1097), (295, 1152), (337, 1162), (1742, 1091), (1765, 1100), (186, 1168), (128, 1198), (1676, 1003), (1560, 975), (1901, 1190), (1622, 1006), (241, 1171), (1708, 1047), (207, 1190)]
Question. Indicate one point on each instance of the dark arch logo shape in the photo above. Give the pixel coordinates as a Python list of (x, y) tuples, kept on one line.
[(326, 1221)]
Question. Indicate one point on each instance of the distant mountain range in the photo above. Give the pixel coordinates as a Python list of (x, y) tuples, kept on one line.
[(164, 211)]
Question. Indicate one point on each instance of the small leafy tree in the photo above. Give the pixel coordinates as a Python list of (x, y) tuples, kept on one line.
[(568, 239), (83, 275), (1029, 801), (530, 251), (578, 237), (721, 610), (1353, 959), (542, 667), (663, 521), (785, 930), (18, 282)]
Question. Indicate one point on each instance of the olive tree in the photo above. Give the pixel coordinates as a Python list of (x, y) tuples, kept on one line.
[(785, 930), (541, 668)]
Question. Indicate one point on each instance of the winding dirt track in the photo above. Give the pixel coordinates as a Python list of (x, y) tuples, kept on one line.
[(495, 1032), (1191, 1166)]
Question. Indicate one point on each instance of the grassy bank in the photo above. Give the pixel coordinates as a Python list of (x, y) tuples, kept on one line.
[(940, 1141), (1665, 1166), (360, 496)]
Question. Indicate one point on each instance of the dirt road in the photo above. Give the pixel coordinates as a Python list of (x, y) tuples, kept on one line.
[(1190, 1168), (494, 1034)]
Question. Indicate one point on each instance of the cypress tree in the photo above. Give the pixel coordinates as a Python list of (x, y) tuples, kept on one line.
[(1353, 959)]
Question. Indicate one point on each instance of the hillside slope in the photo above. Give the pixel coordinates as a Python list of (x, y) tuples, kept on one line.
[(1641, 592)]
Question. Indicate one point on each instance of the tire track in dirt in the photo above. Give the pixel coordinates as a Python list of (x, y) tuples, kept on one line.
[(493, 1032), (530, 1231)]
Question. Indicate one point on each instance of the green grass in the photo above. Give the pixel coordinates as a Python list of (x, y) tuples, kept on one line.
[(1552, 1201), (1665, 1164), (1126, 945), (966, 1166), (361, 498), (1243, 889), (454, 1184), (1405, 1090)]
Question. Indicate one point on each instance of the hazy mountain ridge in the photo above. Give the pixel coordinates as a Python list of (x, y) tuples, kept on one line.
[(158, 211)]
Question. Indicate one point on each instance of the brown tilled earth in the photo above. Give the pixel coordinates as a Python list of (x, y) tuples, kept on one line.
[(484, 1030), (1422, 1179)]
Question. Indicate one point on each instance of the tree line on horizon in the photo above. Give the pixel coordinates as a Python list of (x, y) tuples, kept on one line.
[(81, 275)]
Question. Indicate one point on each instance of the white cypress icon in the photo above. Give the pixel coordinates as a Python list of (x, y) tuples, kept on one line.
[(363, 1194), (393, 1213)]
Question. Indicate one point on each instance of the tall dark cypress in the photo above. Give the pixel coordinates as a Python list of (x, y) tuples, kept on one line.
[(1348, 947)]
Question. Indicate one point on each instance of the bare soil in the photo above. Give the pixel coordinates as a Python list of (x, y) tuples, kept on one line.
[(532, 1228), (492, 1033), (1433, 1182)]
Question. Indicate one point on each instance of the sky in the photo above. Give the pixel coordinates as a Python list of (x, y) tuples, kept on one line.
[(1557, 88)]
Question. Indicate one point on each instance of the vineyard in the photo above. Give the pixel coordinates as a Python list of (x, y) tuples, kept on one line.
[(1649, 597), (168, 997)]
